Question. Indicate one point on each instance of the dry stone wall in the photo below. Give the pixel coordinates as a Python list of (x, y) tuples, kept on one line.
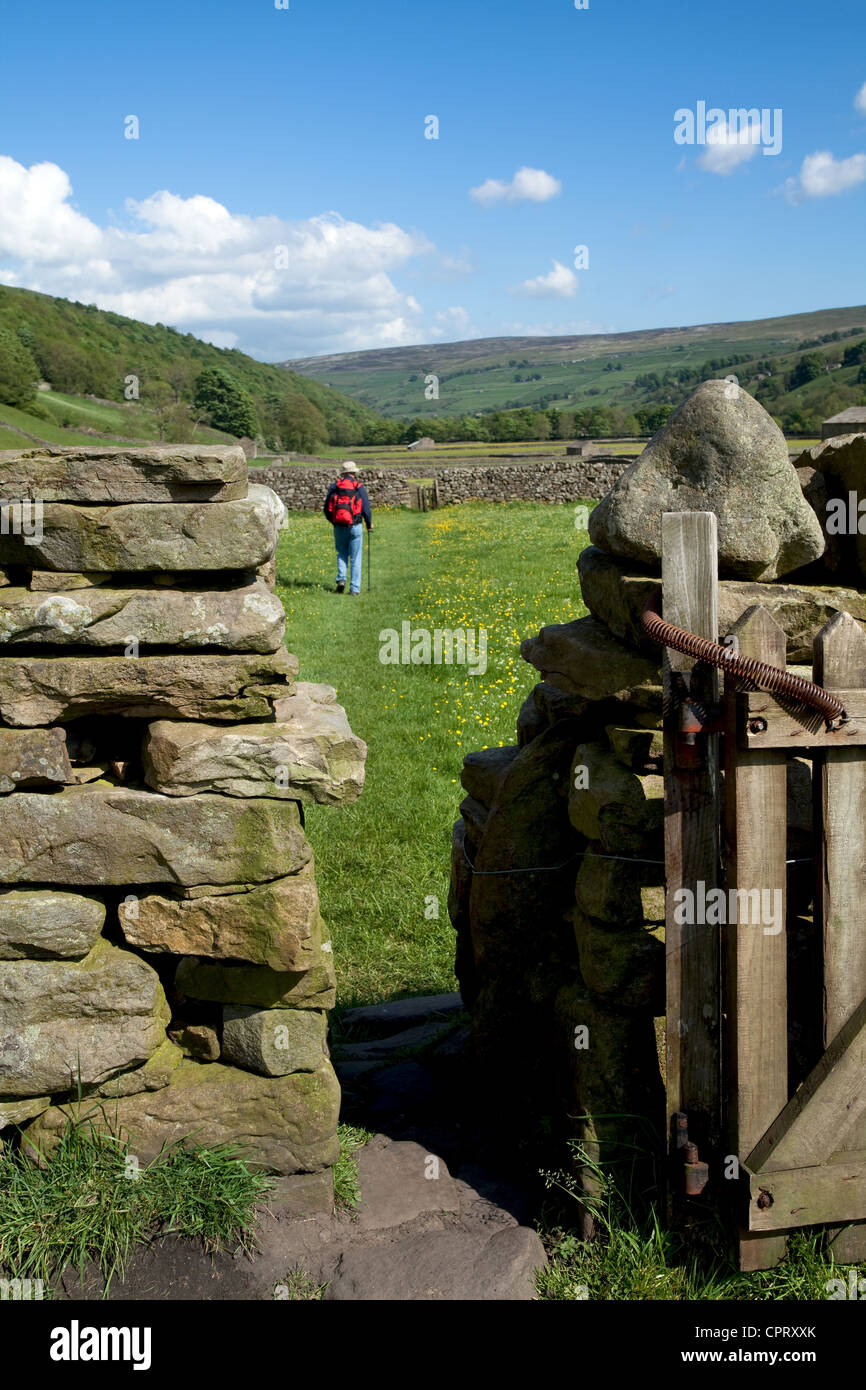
[(557, 884), (161, 940), (304, 489)]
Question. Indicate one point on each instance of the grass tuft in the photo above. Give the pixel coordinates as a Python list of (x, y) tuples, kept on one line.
[(91, 1201), (298, 1287), (347, 1187), (634, 1257)]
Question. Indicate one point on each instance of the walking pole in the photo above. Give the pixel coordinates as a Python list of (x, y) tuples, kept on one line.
[(369, 558)]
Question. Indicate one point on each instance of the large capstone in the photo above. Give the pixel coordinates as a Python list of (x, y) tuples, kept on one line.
[(719, 452)]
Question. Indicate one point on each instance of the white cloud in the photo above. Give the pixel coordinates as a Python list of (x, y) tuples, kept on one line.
[(528, 185), (276, 288), (730, 146), (822, 176), (219, 337), (36, 219), (860, 99), (452, 323), (457, 265), (559, 283)]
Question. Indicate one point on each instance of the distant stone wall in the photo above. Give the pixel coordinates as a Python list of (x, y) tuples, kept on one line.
[(303, 488)]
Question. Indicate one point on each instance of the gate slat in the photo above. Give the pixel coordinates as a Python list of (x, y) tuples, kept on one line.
[(840, 904), (756, 974)]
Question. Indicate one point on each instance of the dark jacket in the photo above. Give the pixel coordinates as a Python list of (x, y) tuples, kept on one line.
[(366, 511)]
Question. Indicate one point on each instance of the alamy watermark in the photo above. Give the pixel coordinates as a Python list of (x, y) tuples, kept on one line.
[(855, 1289), (714, 907), (77, 1343), (846, 516), (740, 125), (21, 518), (443, 646), (21, 1290)]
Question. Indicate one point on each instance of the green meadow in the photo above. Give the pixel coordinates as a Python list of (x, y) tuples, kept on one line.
[(383, 863)]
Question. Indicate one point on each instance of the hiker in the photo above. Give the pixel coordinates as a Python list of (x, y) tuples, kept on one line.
[(347, 507)]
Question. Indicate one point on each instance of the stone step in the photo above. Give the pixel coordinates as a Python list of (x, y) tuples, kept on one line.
[(395, 1014), (410, 1039)]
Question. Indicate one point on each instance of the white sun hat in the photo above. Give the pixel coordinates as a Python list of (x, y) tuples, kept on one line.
[(350, 467)]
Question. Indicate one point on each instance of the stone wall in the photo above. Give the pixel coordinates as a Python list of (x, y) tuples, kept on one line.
[(557, 883), (304, 488), (161, 942)]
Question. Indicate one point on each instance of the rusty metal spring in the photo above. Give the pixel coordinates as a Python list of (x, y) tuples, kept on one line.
[(745, 668)]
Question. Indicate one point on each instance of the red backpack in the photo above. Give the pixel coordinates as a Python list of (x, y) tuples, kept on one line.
[(345, 505)]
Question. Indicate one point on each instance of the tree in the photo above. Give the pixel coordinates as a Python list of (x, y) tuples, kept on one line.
[(653, 417), (342, 429), (18, 371), (806, 370), (541, 425), (179, 377), (301, 424), (228, 406), (180, 424), (160, 398)]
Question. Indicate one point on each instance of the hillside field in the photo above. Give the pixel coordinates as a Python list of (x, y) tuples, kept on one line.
[(567, 373)]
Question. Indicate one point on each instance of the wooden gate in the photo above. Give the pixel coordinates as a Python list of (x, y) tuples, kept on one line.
[(791, 1150), (422, 494)]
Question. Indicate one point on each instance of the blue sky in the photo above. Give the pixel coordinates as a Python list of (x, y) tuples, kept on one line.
[(281, 195)]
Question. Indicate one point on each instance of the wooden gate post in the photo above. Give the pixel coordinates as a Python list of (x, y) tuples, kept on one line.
[(692, 816)]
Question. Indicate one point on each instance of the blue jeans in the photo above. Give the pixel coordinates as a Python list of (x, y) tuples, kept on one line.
[(349, 541)]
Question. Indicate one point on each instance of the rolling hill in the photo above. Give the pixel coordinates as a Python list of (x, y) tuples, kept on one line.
[(803, 368), (622, 370), (87, 355)]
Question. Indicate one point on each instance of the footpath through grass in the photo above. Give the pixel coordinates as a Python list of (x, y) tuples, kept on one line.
[(383, 864)]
